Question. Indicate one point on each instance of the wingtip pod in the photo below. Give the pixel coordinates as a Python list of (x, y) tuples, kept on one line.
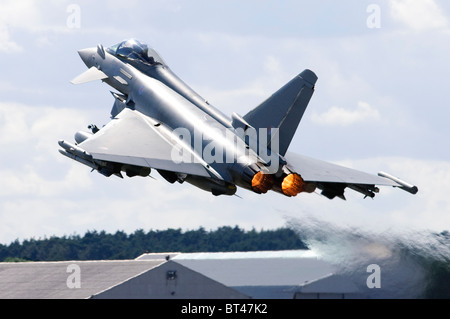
[(402, 184)]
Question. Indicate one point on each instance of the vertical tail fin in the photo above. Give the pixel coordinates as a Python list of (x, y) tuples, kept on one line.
[(284, 110)]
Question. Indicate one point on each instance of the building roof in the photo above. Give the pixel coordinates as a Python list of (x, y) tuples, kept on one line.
[(268, 268), (331, 283), (47, 280), (269, 274), (170, 280)]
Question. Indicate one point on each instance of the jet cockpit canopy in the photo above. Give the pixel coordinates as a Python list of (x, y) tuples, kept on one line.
[(136, 51)]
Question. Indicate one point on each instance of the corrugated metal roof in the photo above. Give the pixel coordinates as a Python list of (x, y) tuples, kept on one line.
[(329, 284), (153, 256), (280, 268), (269, 274), (46, 280), (248, 255)]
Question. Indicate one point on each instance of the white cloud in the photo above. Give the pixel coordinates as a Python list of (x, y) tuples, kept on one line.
[(430, 208), (344, 117), (22, 14), (29, 182), (16, 14), (29, 137), (419, 15), (21, 124), (44, 20), (6, 44)]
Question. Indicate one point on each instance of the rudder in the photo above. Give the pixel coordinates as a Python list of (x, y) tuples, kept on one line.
[(284, 110)]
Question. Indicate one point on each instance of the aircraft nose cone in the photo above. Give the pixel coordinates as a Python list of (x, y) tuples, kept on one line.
[(87, 56)]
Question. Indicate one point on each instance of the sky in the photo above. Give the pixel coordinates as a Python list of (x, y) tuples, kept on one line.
[(381, 104)]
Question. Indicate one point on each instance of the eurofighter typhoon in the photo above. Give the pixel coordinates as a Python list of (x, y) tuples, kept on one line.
[(158, 122)]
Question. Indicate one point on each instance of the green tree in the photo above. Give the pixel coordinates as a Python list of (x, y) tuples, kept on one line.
[(96, 245)]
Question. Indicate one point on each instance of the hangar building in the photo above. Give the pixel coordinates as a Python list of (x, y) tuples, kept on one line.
[(237, 275)]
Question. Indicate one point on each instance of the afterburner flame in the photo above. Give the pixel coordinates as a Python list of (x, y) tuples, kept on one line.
[(262, 183), (292, 185)]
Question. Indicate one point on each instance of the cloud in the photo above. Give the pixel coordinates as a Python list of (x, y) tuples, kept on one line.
[(45, 21), (418, 15), (21, 124), (430, 208), (6, 44), (28, 136), (22, 14), (344, 117), (16, 15)]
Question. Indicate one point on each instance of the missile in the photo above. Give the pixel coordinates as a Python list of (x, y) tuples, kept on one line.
[(211, 186), (79, 159), (367, 192), (102, 170), (403, 185), (75, 150)]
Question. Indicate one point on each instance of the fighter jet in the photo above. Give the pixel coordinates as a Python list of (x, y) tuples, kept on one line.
[(159, 123)]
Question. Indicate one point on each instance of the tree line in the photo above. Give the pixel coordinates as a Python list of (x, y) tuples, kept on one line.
[(94, 245)]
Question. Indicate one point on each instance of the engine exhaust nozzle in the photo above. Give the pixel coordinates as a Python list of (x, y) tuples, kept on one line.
[(262, 183), (292, 185)]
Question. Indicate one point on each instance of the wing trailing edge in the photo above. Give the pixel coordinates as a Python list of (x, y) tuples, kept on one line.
[(333, 179)]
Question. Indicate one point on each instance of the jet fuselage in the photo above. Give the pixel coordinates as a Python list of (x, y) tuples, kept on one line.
[(159, 122), (155, 91)]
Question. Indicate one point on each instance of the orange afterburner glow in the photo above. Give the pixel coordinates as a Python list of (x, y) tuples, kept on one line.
[(262, 183), (292, 185)]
